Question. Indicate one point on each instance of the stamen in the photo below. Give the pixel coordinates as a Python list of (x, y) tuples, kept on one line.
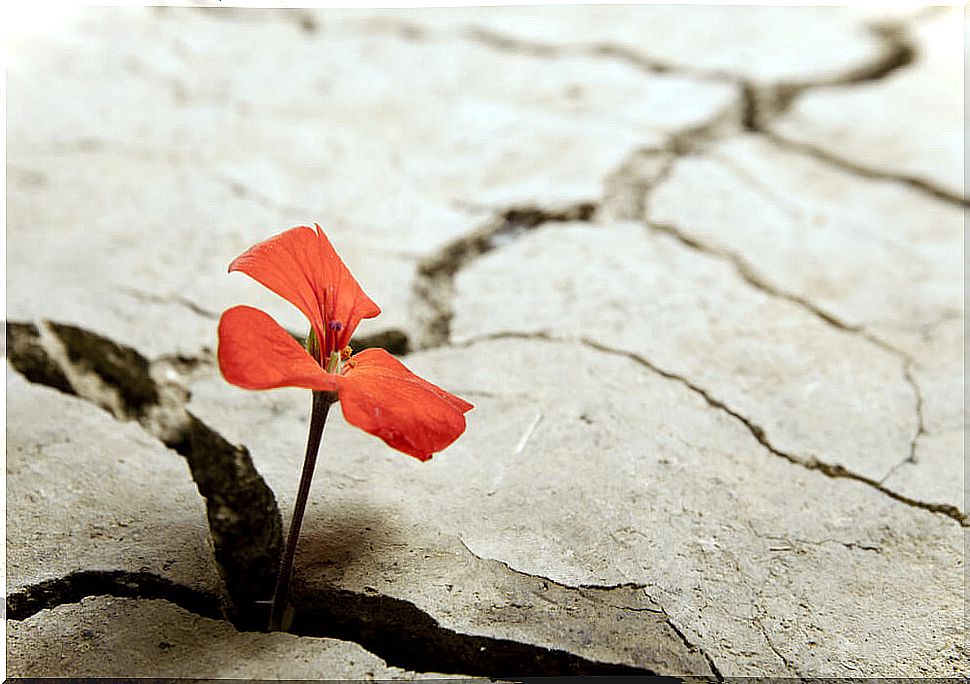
[(345, 353)]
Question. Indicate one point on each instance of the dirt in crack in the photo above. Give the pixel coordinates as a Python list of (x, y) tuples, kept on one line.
[(434, 288), (762, 104), (244, 519)]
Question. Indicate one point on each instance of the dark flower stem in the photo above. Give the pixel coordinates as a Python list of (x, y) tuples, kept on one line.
[(318, 418)]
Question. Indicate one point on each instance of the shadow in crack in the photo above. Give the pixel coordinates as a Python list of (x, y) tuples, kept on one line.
[(405, 636), (72, 588), (347, 546)]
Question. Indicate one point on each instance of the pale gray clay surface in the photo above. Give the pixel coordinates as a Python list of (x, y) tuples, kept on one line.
[(699, 268)]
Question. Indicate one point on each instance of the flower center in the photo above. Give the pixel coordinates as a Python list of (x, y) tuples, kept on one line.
[(340, 361)]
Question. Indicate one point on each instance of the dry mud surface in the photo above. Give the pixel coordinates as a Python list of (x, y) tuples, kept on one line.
[(703, 282)]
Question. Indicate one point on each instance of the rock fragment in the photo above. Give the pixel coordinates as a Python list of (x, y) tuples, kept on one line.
[(94, 503)]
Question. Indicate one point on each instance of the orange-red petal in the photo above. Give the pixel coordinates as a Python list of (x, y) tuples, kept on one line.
[(301, 266), (380, 396), (256, 353)]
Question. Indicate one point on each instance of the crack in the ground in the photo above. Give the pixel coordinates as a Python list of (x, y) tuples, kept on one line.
[(655, 606), (29, 600), (915, 182), (765, 103), (790, 542), (651, 65), (749, 274), (434, 286), (920, 422), (690, 645), (245, 525), (244, 520), (811, 463), (774, 649), (406, 636), (624, 197), (834, 471), (627, 188), (178, 300), (627, 197), (393, 340), (28, 354), (760, 103), (761, 108)]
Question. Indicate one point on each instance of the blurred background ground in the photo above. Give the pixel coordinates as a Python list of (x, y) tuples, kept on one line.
[(700, 268)]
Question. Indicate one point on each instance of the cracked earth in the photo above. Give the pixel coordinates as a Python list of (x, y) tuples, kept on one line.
[(702, 281)]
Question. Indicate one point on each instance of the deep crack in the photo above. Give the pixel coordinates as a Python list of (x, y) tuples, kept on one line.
[(406, 636), (245, 525), (118, 367), (27, 601), (244, 520), (597, 590), (27, 353)]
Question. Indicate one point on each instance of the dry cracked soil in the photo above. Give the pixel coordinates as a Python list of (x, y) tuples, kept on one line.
[(702, 279)]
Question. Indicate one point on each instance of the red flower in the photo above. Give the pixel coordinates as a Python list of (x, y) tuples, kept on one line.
[(377, 393)]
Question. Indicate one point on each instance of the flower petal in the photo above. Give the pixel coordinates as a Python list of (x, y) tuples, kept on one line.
[(380, 396), (301, 266), (256, 353)]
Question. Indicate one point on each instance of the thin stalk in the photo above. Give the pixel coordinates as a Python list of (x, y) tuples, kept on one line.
[(318, 418)]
